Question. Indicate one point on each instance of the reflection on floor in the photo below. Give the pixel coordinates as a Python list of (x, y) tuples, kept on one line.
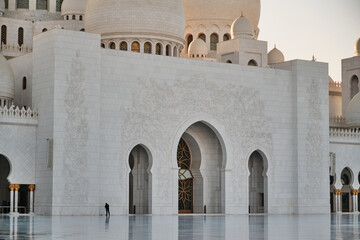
[(199, 227)]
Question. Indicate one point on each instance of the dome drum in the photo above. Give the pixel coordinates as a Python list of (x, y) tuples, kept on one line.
[(125, 19), (357, 48)]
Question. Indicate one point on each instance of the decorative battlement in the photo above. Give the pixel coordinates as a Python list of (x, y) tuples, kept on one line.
[(353, 133), (13, 112), (338, 120), (15, 49), (335, 85)]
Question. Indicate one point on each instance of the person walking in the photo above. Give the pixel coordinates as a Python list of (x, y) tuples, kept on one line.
[(107, 207)]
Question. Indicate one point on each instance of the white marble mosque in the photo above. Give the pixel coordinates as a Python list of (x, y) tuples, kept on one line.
[(166, 107)]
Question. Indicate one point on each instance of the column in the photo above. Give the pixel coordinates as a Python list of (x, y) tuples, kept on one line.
[(337, 193), (17, 187), (31, 189), (355, 194), (12, 187)]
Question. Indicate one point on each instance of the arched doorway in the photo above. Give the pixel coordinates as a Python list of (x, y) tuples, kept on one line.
[(4, 184), (257, 183), (332, 196), (200, 158), (139, 181), (346, 181)]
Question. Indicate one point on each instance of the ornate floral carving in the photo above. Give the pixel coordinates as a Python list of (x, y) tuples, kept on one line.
[(76, 133), (160, 107), (313, 136)]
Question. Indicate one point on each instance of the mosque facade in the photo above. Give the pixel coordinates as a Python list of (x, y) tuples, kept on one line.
[(167, 107)]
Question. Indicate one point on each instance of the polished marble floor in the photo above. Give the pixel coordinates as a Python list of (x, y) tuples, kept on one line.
[(341, 226)]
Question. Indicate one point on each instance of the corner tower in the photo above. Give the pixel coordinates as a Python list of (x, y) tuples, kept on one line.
[(211, 20)]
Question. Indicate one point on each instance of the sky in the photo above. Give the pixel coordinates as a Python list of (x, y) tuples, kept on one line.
[(300, 28)]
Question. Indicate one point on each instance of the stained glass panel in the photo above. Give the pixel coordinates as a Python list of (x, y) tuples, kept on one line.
[(185, 178), (58, 5), (22, 4), (41, 4)]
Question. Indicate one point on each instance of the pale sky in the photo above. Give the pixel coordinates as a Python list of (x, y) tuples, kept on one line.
[(300, 28)]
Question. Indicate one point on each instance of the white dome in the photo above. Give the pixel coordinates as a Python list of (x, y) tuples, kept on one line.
[(353, 110), (275, 56), (198, 48), (136, 18), (224, 10), (73, 7), (7, 83), (242, 28), (357, 48)]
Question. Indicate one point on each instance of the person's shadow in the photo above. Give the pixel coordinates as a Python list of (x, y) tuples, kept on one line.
[(107, 221)]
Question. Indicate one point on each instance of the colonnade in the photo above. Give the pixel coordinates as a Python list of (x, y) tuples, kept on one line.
[(14, 198), (354, 193)]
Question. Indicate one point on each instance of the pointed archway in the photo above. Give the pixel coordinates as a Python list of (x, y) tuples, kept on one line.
[(200, 158), (257, 183), (140, 181), (346, 198), (4, 184)]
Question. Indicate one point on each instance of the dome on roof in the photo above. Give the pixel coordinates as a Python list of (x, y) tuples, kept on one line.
[(242, 28), (198, 49), (136, 18), (7, 82), (275, 56), (73, 7), (225, 10), (357, 48), (353, 110)]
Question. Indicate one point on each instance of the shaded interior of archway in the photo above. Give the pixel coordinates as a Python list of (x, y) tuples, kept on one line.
[(207, 160), (139, 181), (257, 183), (346, 198), (4, 183)]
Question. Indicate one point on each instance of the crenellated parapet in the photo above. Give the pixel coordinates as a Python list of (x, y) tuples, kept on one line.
[(337, 121), (18, 113), (15, 50), (352, 133)]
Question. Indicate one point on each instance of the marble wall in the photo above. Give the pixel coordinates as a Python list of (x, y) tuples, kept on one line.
[(99, 104)]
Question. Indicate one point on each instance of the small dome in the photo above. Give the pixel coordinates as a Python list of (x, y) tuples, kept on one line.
[(353, 110), (357, 48), (225, 10), (7, 82), (275, 56), (73, 7), (242, 28), (197, 49)]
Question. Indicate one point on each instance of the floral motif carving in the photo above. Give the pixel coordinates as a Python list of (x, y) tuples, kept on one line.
[(159, 107), (76, 133)]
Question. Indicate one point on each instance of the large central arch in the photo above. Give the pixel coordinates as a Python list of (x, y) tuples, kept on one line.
[(207, 162)]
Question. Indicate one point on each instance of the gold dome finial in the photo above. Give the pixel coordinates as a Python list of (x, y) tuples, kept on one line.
[(275, 45), (313, 58), (242, 14)]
